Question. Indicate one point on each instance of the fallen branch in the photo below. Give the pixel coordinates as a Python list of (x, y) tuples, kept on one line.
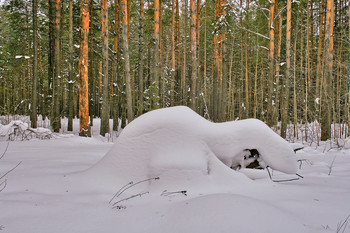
[(165, 193)]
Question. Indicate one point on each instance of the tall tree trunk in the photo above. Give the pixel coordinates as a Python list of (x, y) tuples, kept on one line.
[(184, 64), (56, 121), (51, 57), (173, 58), (327, 78), (156, 73), (94, 100), (70, 68), (114, 77), (319, 72), (105, 81), (205, 53), (295, 105), (193, 54), (308, 68), (35, 66), (83, 68), (130, 114), (141, 59), (285, 95), (271, 101), (349, 85), (246, 62), (278, 75)]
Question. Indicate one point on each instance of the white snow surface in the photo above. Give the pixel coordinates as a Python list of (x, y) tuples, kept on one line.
[(65, 184)]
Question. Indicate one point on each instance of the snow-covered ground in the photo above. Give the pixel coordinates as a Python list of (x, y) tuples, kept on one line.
[(67, 184)]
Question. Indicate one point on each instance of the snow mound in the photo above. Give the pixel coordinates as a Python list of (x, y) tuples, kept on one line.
[(185, 150)]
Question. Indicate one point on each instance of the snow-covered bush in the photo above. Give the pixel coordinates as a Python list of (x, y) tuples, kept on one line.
[(18, 130)]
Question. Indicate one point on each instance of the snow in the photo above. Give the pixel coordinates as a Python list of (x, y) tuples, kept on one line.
[(64, 184)]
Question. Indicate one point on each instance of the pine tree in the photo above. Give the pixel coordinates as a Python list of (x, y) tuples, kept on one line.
[(83, 68)]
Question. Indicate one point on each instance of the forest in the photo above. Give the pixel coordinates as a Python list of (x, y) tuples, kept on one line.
[(281, 61)]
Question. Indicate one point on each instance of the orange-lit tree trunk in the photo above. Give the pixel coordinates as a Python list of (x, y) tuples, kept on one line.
[(271, 120), (193, 54), (328, 75), (183, 86), (56, 119), (83, 68), (114, 77), (156, 72), (130, 114), (173, 58), (286, 81), (178, 49), (105, 81), (219, 37), (70, 69)]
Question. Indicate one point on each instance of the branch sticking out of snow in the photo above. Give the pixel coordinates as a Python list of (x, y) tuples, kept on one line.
[(284, 180), (128, 198), (129, 185)]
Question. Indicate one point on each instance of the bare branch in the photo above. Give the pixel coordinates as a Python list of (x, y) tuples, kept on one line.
[(10, 170)]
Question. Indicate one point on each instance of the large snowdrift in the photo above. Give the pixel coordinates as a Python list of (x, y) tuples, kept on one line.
[(182, 148)]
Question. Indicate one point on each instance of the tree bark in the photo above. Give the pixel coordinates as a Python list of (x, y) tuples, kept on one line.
[(35, 66), (173, 58), (193, 54), (105, 81), (130, 114), (271, 101), (156, 73), (285, 96), (83, 68), (327, 78), (70, 69), (141, 59), (56, 121), (114, 77)]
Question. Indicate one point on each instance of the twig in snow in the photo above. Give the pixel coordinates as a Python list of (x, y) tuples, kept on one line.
[(343, 225), (10, 170), (302, 160), (165, 193), (3, 183), (132, 184), (292, 179), (128, 198), (7, 146), (331, 166)]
